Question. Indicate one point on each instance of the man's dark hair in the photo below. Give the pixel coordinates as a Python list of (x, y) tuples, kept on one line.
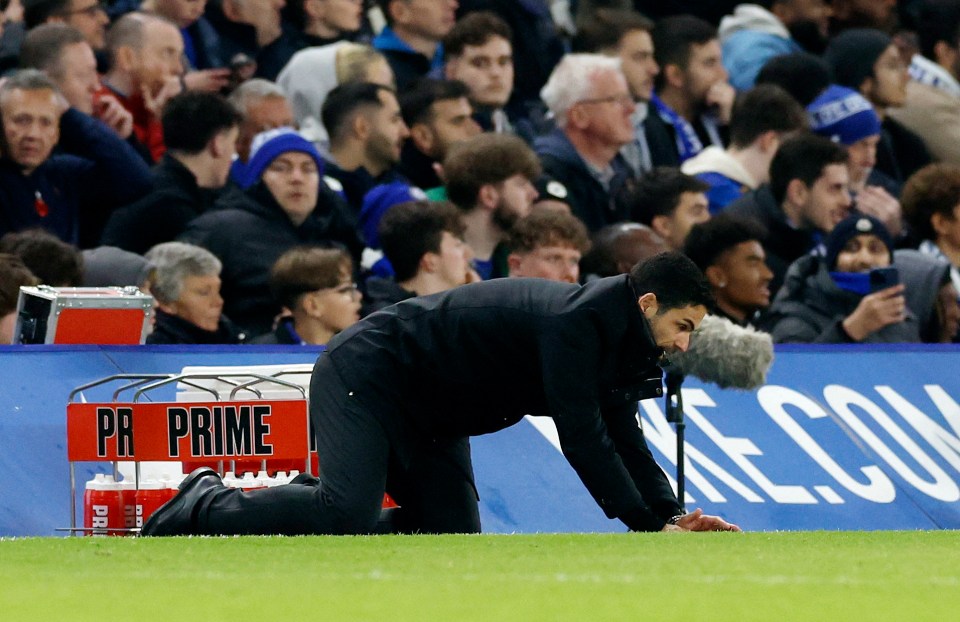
[(306, 269), (658, 193), (934, 189), (604, 29), (43, 47), (673, 38), (344, 102), (192, 118), (937, 20), (416, 103), (293, 13), (763, 109), (486, 159), (49, 258), (708, 240), (36, 12), (548, 228), (801, 74), (13, 275), (802, 157), (474, 29), (410, 230), (674, 279)]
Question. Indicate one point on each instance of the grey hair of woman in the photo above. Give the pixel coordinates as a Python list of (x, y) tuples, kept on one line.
[(174, 262)]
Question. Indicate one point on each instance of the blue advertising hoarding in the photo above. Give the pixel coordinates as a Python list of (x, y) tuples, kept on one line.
[(838, 438)]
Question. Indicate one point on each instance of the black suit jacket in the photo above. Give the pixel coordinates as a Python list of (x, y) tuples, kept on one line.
[(477, 358)]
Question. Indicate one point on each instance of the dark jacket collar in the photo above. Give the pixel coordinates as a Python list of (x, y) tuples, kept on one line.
[(170, 329)]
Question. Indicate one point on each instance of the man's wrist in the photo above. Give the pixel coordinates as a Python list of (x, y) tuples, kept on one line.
[(673, 520)]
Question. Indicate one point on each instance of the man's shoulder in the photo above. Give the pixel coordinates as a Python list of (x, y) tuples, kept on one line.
[(757, 203)]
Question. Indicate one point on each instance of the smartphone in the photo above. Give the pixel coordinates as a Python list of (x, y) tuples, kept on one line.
[(882, 278)]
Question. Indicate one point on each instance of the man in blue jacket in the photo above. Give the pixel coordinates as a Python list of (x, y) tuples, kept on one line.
[(71, 192), (396, 397)]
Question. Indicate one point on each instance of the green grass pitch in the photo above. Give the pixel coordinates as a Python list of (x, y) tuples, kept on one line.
[(674, 577)]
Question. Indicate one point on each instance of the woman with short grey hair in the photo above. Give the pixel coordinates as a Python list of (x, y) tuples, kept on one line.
[(186, 286)]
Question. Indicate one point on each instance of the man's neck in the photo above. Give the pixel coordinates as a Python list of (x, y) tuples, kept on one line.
[(596, 153), (351, 157), (951, 252), (754, 161), (120, 82), (793, 214), (734, 313), (318, 28), (424, 284), (481, 234), (310, 330), (679, 103), (423, 45), (198, 166)]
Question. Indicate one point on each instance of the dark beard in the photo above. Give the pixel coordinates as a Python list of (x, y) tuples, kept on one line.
[(504, 217), (808, 36)]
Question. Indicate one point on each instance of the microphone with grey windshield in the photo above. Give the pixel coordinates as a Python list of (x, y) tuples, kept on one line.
[(721, 353)]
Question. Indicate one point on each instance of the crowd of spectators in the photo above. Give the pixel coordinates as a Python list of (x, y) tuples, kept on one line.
[(273, 170)]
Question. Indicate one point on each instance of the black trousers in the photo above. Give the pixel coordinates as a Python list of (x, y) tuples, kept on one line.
[(366, 448)]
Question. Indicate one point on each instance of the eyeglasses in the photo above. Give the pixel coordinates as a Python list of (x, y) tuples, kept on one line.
[(89, 11), (623, 99), (347, 288)]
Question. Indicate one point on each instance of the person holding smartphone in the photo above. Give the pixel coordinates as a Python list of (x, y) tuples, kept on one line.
[(850, 294)]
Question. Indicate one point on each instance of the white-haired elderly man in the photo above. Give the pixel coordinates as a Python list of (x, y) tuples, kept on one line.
[(592, 105)]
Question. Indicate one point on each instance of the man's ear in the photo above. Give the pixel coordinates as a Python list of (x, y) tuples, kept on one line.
[(422, 137), (125, 58), (171, 308), (314, 10), (429, 262), (311, 305), (488, 196), (797, 192), (231, 11), (940, 223), (716, 276), (217, 146), (769, 141), (674, 75), (648, 305), (360, 127), (577, 117), (513, 263), (400, 12), (662, 226), (450, 68)]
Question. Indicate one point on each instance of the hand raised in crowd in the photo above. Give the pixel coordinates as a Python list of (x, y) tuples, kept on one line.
[(877, 202), (109, 110), (155, 102), (207, 80), (698, 521), (720, 97), (876, 310)]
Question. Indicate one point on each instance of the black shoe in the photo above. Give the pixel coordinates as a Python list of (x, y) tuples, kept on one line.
[(305, 479), (175, 517)]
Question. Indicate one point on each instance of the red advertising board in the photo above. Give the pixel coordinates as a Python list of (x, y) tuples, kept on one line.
[(260, 429)]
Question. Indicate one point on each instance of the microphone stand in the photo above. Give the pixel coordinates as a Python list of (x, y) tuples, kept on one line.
[(674, 413)]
